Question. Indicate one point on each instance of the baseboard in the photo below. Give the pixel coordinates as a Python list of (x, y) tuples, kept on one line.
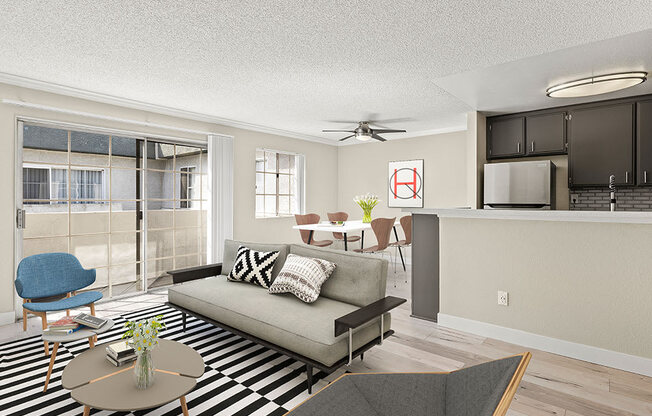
[(619, 360), (7, 318)]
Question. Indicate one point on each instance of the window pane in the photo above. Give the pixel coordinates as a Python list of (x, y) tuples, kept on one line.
[(187, 157), (186, 240), (270, 183), (284, 205), (293, 166), (126, 152), (89, 149), (95, 221), (124, 183), (260, 161), (260, 183), (160, 243), (59, 183), (43, 222), (123, 247), (294, 205), (44, 245), (44, 144), (270, 162), (270, 205), (260, 205), (283, 163), (91, 250), (293, 185), (283, 184)]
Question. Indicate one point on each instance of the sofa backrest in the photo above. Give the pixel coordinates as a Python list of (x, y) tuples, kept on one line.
[(358, 279), (231, 249)]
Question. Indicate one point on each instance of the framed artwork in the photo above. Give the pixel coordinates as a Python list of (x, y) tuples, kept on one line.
[(405, 185)]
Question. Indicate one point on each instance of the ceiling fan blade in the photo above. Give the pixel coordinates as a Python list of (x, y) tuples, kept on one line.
[(388, 131), (377, 137), (338, 131), (347, 137)]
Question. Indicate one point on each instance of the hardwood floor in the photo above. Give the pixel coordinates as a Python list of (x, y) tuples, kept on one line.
[(553, 385)]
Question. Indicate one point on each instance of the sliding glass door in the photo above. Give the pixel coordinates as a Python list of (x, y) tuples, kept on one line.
[(128, 207)]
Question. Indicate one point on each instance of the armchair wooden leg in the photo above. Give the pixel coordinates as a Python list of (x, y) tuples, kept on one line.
[(52, 358), (44, 324), (24, 320), (92, 305)]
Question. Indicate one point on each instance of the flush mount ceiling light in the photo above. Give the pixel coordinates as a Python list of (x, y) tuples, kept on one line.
[(597, 85)]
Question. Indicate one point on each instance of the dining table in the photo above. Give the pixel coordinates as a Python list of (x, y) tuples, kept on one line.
[(345, 228)]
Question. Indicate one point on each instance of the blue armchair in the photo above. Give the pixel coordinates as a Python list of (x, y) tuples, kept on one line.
[(53, 275)]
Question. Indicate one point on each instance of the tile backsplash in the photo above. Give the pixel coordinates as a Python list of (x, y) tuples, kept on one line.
[(597, 199)]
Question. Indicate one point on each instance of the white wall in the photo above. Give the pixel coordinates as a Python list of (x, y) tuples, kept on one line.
[(363, 168), (321, 168)]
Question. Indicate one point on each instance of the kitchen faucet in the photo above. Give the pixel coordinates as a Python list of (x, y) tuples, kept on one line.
[(612, 195)]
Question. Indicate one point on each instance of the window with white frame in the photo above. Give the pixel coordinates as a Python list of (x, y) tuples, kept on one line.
[(186, 186), (279, 183), (46, 185)]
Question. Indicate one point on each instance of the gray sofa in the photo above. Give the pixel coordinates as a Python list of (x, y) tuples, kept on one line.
[(343, 323)]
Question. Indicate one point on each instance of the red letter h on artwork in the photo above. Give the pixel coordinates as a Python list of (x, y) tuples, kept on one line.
[(413, 183)]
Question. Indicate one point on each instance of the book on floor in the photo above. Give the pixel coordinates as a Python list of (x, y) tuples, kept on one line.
[(90, 320), (119, 350), (67, 322)]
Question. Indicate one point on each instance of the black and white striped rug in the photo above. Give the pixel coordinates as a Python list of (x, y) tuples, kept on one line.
[(241, 377)]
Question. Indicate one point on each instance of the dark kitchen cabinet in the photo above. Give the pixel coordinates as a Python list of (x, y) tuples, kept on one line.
[(644, 143), (545, 134), (506, 137), (601, 143)]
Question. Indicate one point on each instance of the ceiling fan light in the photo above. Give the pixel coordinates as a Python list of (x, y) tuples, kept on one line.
[(363, 137), (601, 84)]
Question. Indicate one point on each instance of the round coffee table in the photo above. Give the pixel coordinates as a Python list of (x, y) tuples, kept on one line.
[(89, 333), (96, 383)]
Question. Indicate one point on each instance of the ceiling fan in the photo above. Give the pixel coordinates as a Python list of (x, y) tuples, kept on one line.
[(363, 132)]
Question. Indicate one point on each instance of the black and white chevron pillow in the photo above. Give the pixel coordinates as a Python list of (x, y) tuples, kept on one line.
[(253, 266)]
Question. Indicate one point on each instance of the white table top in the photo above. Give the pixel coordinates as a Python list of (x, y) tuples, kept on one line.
[(349, 226), (80, 334)]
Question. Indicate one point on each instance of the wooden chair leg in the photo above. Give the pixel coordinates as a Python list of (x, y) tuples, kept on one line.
[(87, 410), (44, 324), (92, 305), (184, 405), (52, 358), (91, 341), (24, 320)]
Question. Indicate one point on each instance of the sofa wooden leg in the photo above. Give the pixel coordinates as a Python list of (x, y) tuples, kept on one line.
[(309, 374), (183, 321)]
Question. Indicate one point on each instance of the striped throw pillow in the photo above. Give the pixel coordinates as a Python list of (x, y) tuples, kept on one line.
[(303, 277)]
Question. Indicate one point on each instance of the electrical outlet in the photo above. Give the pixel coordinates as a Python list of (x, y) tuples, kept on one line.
[(503, 298), (575, 198)]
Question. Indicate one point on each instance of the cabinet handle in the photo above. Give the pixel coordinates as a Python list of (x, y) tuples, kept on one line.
[(645, 176), (532, 147), (518, 147)]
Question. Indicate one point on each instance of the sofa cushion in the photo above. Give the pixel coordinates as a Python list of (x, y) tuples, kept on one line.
[(303, 277), (359, 279), (305, 328), (231, 250), (253, 266)]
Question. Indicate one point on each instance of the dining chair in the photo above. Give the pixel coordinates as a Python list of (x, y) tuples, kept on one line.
[(307, 235), (406, 225), (342, 216), (382, 228), (42, 277)]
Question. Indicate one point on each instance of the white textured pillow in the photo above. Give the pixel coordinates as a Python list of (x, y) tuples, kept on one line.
[(253, 266), (303, 277)]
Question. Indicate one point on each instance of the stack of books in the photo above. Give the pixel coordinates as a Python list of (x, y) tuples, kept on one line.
[(120, 353), (89, 320), (63, 326)]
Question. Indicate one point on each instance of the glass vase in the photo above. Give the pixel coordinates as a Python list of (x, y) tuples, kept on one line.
[(144, 370), (366, 216)]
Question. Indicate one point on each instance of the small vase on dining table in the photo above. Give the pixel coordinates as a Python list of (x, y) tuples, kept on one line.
[(367, 203)]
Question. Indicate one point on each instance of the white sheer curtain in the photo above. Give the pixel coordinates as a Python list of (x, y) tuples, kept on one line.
[(59, 184), (220, 173)]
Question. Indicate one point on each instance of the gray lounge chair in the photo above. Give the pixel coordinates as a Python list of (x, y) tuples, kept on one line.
[(482, 390)]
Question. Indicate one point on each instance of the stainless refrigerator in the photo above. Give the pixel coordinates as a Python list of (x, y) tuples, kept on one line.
[(519, 185)]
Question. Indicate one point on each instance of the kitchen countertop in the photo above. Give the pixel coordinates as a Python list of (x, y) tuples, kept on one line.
[(626, 217)]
